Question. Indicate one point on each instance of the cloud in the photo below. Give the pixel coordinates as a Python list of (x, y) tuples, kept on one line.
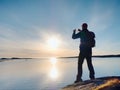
[(14, 43)]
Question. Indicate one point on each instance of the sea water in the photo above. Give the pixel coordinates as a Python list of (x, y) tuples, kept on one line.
[(50, 73)]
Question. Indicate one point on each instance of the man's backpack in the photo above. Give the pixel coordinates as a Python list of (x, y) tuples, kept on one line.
[(91, 39)]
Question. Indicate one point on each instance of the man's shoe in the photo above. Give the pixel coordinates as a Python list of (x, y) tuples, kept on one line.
[(78, 81), (92, 78)]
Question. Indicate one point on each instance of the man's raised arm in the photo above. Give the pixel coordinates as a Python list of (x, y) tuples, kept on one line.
[(74, 35)]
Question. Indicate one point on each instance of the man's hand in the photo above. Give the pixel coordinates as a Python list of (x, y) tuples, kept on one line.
[(74, 30)]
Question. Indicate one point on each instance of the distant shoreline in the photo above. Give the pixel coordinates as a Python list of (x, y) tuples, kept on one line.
[(96, 56), (13, 58)]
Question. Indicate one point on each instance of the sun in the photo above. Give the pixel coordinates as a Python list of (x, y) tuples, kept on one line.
[(53, 43)]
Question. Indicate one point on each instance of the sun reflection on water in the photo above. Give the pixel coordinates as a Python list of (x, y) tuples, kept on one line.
[(53, 60), (53, 71)]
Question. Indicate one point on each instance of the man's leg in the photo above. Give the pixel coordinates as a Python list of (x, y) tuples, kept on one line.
[(80, 62), (90, 67)]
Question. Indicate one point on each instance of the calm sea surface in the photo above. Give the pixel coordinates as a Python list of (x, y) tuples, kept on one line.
[(50, 73)]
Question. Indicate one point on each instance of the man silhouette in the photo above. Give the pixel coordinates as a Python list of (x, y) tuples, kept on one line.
[(85, 50)]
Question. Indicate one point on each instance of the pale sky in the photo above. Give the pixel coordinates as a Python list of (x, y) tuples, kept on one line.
[(26, 26)]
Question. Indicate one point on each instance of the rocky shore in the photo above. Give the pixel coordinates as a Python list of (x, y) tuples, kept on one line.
[(103, 83)]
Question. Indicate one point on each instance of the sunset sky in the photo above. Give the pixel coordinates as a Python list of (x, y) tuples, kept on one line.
[(40, 28)]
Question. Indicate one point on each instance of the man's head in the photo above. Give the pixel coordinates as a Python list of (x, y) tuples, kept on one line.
[(84, 26)]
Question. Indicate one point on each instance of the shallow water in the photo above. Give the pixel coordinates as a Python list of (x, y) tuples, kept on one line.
[(50, 73)]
